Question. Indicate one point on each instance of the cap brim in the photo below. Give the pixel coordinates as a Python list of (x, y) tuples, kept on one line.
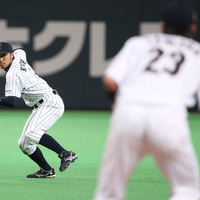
[(4, 52)]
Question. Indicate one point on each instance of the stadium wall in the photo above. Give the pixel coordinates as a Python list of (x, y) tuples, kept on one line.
[(70, 43)]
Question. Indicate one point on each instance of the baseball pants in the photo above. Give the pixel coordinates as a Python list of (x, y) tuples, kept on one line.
[(136, 131), (39, 122)]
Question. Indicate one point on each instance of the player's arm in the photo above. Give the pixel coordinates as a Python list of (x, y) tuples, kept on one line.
[(9, 101), (117, 70), (110, 87)]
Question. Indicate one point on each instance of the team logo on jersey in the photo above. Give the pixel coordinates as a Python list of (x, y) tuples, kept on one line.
[(6, 91)]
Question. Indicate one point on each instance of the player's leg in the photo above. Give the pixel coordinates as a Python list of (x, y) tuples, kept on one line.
[(29, 148), (175, 156), (67, 157), (181, 173), (38, 123), (54, 113), (46, 171), (122, 152)]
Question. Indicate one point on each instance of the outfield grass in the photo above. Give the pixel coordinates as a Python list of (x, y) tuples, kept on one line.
[(84, 133)]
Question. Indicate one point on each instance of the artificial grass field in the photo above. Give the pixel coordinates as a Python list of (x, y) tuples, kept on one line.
[(85, 133)]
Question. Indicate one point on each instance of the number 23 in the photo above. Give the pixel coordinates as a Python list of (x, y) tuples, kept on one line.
[(177, 57)]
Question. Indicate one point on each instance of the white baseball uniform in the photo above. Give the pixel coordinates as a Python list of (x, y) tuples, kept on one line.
[(156, 83), (19, 53), (22, 81)]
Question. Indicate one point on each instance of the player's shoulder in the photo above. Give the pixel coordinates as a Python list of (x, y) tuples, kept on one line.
[(186, 44), (137, 43), (141, 40), (134, 42), (134, 39), (20, 53), (180, 39), (170, 39)]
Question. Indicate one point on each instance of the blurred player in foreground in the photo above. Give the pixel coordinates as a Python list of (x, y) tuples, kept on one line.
[(48, 107), (154, 77)]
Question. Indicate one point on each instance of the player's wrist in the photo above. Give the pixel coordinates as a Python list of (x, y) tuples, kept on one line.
[(10, 101)]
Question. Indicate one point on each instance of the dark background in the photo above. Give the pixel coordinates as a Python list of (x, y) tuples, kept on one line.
[(122, 18)]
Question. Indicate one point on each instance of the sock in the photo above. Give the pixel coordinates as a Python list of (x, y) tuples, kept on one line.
[(50, 143), (38, 157)]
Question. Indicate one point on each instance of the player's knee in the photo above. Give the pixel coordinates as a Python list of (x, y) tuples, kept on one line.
[(21, 146)]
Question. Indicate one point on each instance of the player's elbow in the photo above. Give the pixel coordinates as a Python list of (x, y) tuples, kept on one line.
[(109, 84), (11, 105), (10, 101), (110, 87)]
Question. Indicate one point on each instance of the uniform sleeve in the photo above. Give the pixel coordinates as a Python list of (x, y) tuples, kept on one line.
[(120, 64), (13, 85)]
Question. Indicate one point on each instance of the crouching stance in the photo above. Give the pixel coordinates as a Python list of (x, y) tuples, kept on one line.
[(48, 107)]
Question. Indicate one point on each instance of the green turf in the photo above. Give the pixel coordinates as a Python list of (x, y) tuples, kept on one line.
[(84, 133)]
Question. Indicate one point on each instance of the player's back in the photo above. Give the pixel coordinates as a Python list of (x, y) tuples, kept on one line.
[(159, 69), (28, 78)]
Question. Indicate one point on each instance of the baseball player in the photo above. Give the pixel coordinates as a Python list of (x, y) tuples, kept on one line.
[(155, 77), (48, 107)]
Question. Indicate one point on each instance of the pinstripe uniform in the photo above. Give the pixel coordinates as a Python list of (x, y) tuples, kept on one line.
[(20, 54), (22, 81)]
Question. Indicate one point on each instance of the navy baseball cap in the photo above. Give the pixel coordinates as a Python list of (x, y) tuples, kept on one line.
[(179, 14), (5, 48)]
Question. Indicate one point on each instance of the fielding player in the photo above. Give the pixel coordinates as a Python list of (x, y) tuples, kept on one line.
[(48, 107), (155, 77)]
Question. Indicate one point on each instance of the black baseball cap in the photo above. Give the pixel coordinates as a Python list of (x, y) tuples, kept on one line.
[(5, 48), (179, 14)]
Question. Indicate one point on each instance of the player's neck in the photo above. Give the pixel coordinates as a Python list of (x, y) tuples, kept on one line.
[(7, 68)]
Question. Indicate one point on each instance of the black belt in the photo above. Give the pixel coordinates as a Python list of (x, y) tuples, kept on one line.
[(41, 100)]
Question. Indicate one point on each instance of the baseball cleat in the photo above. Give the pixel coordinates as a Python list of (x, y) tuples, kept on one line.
[(66, 159), (43, 174)]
